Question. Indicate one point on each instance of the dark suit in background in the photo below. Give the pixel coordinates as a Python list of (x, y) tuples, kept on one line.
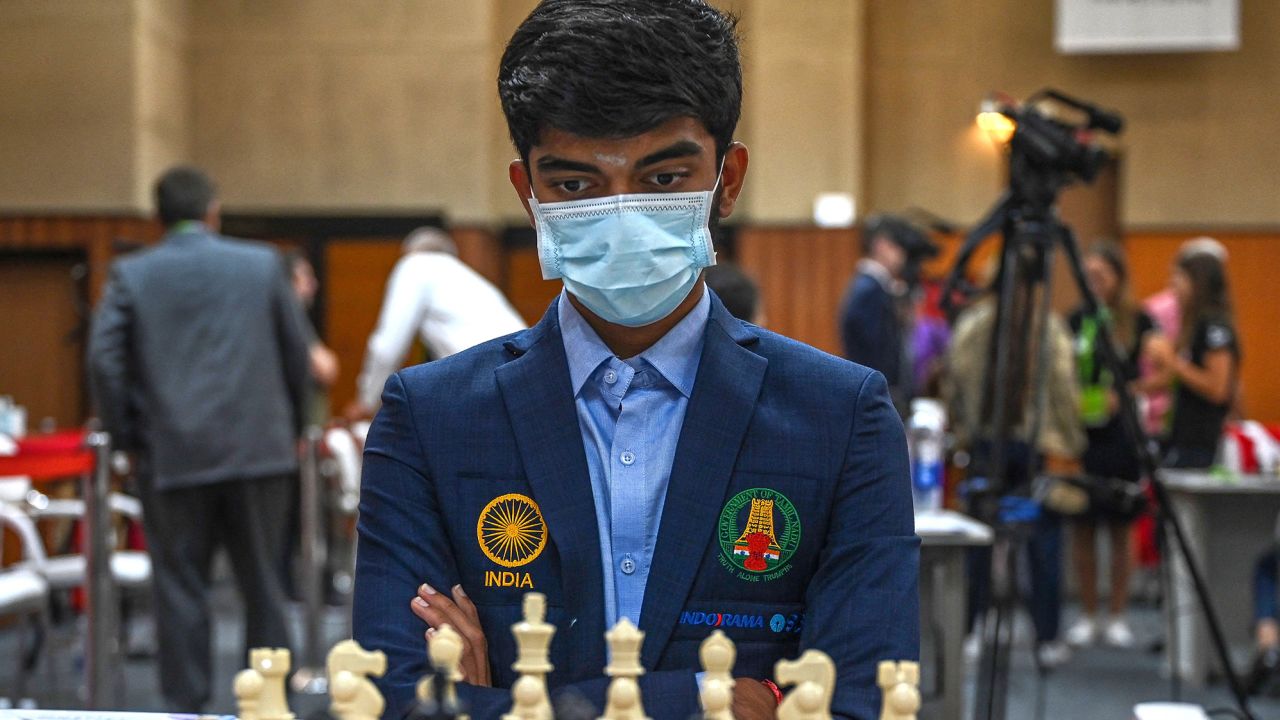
[(872, 333), (198, 364)]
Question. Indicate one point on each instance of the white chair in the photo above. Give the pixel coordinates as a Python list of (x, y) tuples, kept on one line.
[(131, 569), (24, 589), (345, 449)]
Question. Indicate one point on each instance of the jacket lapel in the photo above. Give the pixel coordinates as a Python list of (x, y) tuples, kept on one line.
[(539, 400), (724, 397)]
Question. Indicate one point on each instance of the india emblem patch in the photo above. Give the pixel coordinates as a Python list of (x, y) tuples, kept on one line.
[(759, 531), (511, 531)]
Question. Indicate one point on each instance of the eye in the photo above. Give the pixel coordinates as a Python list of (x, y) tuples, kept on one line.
[(572, 186), (667, 179)]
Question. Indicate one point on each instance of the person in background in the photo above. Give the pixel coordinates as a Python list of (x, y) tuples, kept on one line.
[(1265, 675), (433, 293), (1057, 449), (738, 292), (1111, 452), (1201, 364), (323, 361), (930, 338), (1162, 308), (198, 361), (875, 316)]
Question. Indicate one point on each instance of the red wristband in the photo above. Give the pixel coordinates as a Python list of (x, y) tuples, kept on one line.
[(773, 688)]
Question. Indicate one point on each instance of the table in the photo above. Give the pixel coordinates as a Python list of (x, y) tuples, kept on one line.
[(945, 537), (1228, 524)]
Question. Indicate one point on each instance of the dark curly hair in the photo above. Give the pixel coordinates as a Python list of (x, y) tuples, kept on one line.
[(619, 68)]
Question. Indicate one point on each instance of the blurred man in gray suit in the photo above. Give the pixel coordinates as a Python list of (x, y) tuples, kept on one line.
[(198, 364)]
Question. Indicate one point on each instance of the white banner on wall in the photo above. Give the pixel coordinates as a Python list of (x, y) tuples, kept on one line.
[(1115, 26)]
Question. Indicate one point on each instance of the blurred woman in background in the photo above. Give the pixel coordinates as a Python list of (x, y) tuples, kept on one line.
[(1201, 365), (1111, 453)]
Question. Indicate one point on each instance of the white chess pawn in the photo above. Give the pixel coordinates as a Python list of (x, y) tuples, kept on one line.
[(900, 687), (248, 685), (623, 700), (814, 675), (445, 652)]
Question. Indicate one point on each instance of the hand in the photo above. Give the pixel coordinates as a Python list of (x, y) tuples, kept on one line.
[(324, 365), (1160, 351), (753, 701), (461, 614)]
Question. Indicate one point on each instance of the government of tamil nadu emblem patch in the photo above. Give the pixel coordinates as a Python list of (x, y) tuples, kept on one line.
[(759, 531), (511, 530)]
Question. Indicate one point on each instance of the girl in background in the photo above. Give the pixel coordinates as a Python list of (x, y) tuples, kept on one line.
[(1110, 453)]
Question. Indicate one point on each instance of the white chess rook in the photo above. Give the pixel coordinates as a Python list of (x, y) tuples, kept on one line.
[(900, 688), (259, 688)]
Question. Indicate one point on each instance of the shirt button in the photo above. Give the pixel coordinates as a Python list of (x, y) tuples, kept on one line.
[(627, 565), (611, 377), (627, 457)]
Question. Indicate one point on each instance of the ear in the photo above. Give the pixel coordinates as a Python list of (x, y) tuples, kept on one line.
[(732, 176), (518, 173)]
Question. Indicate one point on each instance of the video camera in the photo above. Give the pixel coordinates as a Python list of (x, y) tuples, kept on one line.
[(1047, 152)]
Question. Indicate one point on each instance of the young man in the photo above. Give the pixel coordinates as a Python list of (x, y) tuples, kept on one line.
[(639, 453)]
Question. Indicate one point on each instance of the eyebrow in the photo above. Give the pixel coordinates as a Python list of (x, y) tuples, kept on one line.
[(678, 149)]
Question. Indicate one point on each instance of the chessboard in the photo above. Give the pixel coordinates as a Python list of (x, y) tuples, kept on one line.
[(260, 688)]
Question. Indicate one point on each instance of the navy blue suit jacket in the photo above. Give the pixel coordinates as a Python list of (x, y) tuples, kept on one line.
[(766, 412)]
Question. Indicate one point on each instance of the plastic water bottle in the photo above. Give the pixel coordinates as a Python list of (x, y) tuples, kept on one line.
[(925, 433)]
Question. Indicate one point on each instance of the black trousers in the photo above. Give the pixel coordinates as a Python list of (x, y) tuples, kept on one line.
[(184, 527)]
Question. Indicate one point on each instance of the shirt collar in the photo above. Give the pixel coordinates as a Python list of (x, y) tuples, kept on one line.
[(675, 356)]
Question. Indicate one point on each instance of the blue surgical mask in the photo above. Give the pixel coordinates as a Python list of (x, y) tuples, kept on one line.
[(631, 259)]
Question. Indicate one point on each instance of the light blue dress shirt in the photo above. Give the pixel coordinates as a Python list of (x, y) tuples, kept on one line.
[(630, 413)]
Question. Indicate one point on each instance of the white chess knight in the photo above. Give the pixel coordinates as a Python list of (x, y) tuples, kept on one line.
[(900, 687), (529, 699), (623, 701), (354, 696), (814, 677), (259, 688)]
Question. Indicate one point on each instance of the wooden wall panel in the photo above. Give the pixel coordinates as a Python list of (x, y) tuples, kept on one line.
[(802, 273), (356, 272), (42, 355)]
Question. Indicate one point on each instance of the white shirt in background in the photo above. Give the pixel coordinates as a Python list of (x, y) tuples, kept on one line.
[(450, 305)]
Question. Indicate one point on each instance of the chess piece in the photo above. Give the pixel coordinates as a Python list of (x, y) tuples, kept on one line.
[(814, 677), (900, 687), (248, 687), (259, 689), (623, 700), (354, 696), (439, 690), (529, 699), (717, 654)]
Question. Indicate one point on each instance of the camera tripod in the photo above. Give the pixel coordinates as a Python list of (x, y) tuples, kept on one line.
[(1032, 234)]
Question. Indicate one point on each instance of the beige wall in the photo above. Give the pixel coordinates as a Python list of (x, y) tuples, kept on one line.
[(326, 104), (163, 94), (802, 104), (1201, 143), (67, 111)]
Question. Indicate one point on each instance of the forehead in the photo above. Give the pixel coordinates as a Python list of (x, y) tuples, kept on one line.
[(623, 151)]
